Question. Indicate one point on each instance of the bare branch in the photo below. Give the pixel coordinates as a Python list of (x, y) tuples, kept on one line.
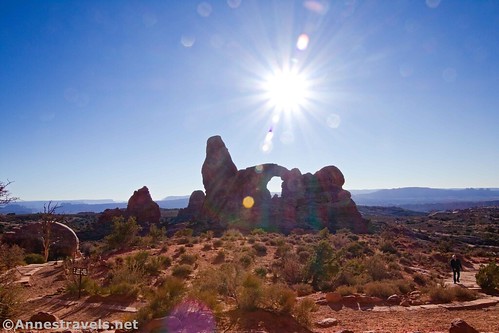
[(5, 197)]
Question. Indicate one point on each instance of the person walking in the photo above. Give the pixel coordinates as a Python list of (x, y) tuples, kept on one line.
[(456, 266)]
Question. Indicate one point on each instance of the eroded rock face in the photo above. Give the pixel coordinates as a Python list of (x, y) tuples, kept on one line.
[(143, 207), (140, 205), (308, 201)]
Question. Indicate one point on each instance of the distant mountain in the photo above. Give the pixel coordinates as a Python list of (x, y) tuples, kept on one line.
[(421, 198), (78, 206), (179, 202)]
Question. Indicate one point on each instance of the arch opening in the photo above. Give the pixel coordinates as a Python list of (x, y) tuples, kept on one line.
[(275, 186)]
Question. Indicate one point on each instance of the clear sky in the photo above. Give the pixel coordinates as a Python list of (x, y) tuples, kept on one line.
[(99, 98)]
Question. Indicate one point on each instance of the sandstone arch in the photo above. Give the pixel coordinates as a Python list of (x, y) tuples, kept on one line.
[(308, 201)]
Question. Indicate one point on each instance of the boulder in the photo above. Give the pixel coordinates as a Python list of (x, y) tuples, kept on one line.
[(44, 317), (333, 297), (460, 326), (64, 241), (394, 299)]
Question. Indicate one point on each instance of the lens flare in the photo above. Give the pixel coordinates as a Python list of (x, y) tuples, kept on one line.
[(248, 202), (302, 42)]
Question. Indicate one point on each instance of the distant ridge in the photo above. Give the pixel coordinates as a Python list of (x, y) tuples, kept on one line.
[(425, 199), (422, 199)]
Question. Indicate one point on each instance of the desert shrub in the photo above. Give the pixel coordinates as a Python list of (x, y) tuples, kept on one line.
[(302, 311), (127, 276), (355, 268), (284, 250), (34, 258), (232, 235), (464, 294), (187, 232), (405, 261), (124, 289), (346, 290), (183, 240), (11, 297), (303, 289), (420, 279), (88, 286), (10, 256), (220, 257), (245, 260), (162, 300), (156, 264), (278, 298), (488, 277), (208, 235), (249, 294), (404, 286), (324, 233), (260, 249), (439, 294), (292, 270), (304, 256), (394, 267), (213, 280), (258, 231), (188, 259), (207, 247), (124, 233), (376, 268), (261, 272), (156, 234), (181, 271), (208, 298), (356, 250), (382, 289), (388, 247), (322, 265), (217, 243)]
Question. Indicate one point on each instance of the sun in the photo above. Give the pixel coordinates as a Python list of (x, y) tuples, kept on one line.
[(286, 90)]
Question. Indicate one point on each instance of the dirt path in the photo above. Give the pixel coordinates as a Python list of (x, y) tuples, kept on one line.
[(467, 278)]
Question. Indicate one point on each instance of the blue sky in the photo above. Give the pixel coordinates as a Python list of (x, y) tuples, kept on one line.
[(98, 98)]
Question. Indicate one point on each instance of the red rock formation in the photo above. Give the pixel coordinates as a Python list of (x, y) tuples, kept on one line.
[(143, 207), (309, 201)]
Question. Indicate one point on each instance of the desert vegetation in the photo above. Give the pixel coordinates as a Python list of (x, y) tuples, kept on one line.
[(233, 274)]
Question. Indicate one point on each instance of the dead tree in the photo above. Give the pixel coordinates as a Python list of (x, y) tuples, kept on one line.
[(49, 217), (5, 197)]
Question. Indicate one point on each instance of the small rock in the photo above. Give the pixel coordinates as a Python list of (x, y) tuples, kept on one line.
[(321, 301), (416, 302), (394, 299), (460, 326), (43, 317), (333, 297), (328, 322), (414, 294), (405, 303)]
